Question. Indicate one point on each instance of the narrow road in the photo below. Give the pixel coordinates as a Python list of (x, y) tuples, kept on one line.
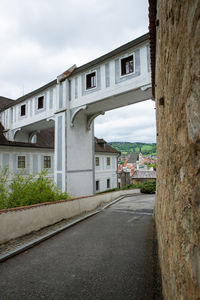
[(108, 256)]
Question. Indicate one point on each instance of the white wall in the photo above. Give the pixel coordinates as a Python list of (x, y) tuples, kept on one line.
[(11, 118), (140, 78), (20, 221), (34, 159), (77, 183), (104, 172)]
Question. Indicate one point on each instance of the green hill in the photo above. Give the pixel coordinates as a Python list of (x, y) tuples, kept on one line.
[(126, 147)]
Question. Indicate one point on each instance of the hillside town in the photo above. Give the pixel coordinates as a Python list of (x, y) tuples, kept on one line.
[(82, 218), (135, 169)]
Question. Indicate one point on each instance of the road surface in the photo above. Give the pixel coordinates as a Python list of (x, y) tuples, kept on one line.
[(108, 256)]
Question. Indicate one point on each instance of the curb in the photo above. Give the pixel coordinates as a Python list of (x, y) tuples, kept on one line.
[(54, 232)]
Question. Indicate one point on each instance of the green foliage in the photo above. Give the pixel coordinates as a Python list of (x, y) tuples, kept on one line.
[(145, 187), (3, 187), (149, 165), (148, 187), (26, 189), (126, 187), (126, 147)]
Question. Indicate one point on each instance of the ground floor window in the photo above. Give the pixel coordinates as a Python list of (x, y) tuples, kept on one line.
[(21, 162), (108, 183), (47, 162), (97, 185)]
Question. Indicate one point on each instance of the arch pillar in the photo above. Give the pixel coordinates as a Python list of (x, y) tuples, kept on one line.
[(74, 154)]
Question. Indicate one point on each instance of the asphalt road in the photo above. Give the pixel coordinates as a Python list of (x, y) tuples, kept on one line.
[(108, 256)]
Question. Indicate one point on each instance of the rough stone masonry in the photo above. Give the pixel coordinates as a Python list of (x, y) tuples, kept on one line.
[(177, 93)]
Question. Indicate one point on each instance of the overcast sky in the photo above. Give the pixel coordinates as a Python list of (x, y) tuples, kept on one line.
[(39, 39)]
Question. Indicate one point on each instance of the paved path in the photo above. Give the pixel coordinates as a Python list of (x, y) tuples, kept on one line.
[(109, 256)]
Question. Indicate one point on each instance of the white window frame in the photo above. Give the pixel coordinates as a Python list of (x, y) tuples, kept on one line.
[(108, 157), (18, 160), (50, 162), (39, 109), (22, 116), (92, 88), (120, 62), (97, 157)]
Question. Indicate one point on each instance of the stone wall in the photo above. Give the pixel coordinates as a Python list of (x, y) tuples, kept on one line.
[(177, 210)]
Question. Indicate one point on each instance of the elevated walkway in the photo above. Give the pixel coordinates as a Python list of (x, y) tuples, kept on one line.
[(72, 102)]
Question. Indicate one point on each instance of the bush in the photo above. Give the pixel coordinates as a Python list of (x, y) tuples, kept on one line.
[(148, 187), (3, 187), (26, 189)]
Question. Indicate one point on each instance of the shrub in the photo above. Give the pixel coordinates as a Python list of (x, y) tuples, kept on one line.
[(26, 189), (148, 187), (3, 187)]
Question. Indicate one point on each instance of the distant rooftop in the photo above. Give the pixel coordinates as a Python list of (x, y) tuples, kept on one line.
[(144, 174)]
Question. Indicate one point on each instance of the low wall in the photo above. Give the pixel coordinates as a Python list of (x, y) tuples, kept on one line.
[(16, 222)]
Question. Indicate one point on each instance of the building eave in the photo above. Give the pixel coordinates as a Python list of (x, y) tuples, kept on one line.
[(114, 52)]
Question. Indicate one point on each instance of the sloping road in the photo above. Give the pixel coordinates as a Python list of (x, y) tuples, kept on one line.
[(108, 256)]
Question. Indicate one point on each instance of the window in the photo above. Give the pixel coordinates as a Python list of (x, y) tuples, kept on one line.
[(40, 102), (108, 161), (47, 162), (91, 80), (23, 110), (97, 161), (127, 65), (97, 185), (21, 162), (108, 183)]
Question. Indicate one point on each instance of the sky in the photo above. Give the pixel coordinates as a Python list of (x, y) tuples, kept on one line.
[(40, 39)]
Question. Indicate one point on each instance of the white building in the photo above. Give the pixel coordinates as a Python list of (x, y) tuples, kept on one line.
[(35, 157), (106, 166), (70, 103)]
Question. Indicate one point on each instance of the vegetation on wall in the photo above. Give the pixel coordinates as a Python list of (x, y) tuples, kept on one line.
[(145, 187), (26, 189), (126, 148)]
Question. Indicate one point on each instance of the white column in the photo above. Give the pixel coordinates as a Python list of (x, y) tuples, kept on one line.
[(80, 157), (60, 150)]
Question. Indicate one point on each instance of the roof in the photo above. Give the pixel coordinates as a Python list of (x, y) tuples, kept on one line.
[(5, 101), (144, 174), (45, 139), (82, 68), (102, 146), (37, 91), (152, 40)]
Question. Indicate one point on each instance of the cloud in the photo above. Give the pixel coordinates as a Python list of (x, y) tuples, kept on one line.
[(135, 123), (41, 39)]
